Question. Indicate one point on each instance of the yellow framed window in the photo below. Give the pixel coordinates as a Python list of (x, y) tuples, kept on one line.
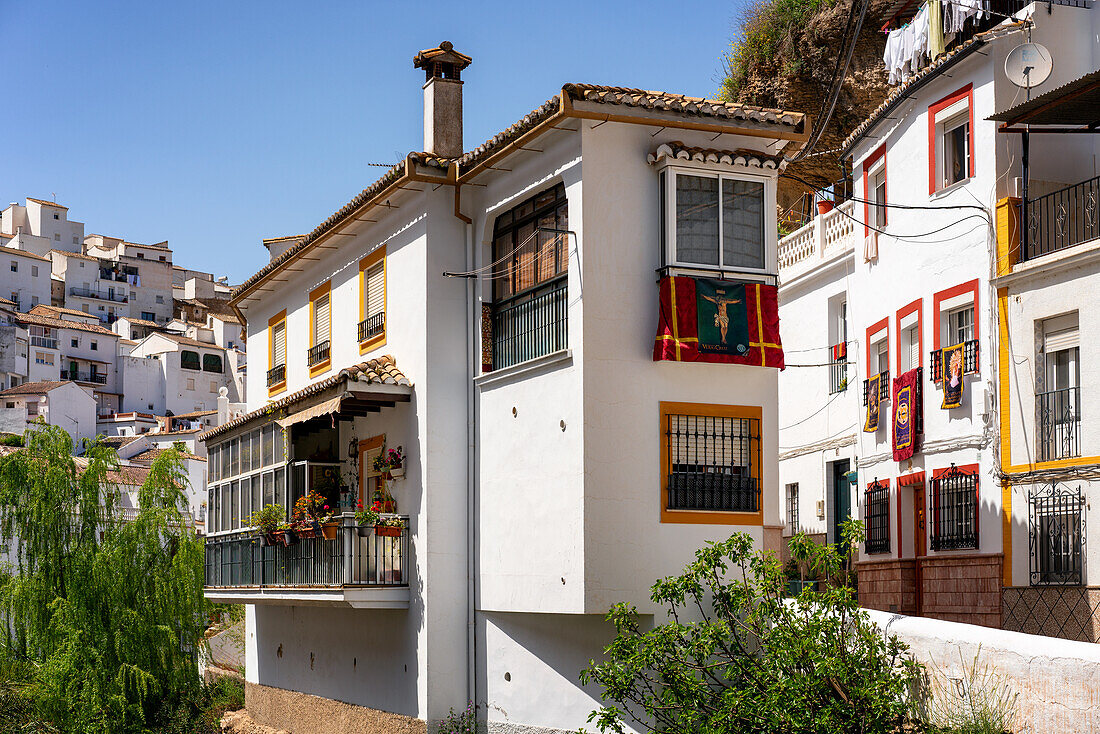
[(276, 353), (319, 356), (372, 300)]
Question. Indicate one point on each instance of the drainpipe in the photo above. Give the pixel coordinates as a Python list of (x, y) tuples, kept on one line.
[(472, 338)]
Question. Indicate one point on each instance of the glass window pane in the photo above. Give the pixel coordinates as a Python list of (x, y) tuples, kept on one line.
[(280, 487), (257, 497), (246, 455), (279, 450), (267, 456), (742, 224), (697, 219), (224, 508), (234, 457), (269, 488), (235, 505)]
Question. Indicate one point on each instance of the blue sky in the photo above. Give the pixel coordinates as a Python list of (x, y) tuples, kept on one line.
[(216, 124)]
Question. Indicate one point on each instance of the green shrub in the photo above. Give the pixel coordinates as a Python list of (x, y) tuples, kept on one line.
[(11, 439), (735, 656)]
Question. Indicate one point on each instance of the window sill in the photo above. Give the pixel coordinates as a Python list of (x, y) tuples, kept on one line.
[(711, 517), (276, 389), (320, 368), (506, 374), (373, 343), (946, 190)]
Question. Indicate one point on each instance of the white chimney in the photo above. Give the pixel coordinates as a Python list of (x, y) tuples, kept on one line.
[(442, 98)]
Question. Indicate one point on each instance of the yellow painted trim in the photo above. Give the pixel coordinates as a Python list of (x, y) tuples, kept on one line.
[(709, 517), (672, 310), (1056, 464), (326, 287), (378, 340), (1003, 358), (271, 324), (1008, 234)]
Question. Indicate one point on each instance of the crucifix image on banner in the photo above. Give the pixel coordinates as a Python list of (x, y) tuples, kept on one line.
[(723, 321)]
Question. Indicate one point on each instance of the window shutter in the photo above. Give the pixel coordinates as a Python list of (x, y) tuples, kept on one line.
[(321, 320), (279, 344), (376, 289), (1060, 340)]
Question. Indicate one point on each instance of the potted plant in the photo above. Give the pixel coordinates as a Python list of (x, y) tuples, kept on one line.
[(390, 463), (266, 521), (389, 527), (365, 520), (285, 534), (330, 527), (311, 511)]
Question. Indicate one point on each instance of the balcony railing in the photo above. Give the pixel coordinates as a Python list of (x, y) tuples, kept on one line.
[(276, 374), (242, 560), (319, 353), (883, 387), (712, 490), (101, 295), (970, 361), (1062, 219), (43, 341), (828, 234), (372, 326), (838, 372), (531, 324), (1059, 423), (93, 377)]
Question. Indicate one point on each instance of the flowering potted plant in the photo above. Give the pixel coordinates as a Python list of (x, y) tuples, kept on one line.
[(389, 527), (365, 520), (285, 535), (391, 463), (266, 521), (311, 513)]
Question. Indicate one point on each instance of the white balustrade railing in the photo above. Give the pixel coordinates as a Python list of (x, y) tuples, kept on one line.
[(829, 234)]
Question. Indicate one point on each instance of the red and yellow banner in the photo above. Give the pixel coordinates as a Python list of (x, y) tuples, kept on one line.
[(739, 322), (906, 409)]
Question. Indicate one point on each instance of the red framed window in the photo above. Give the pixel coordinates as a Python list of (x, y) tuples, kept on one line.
[(951, 139), (910, 336), (874, 190), (954, 516)]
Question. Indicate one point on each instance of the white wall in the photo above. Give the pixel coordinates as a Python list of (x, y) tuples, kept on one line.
[(31, 288)]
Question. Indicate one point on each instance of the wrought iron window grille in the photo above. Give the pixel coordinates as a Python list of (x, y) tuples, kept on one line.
[(970, 361), (838, 375), (276, 374), (883, 387), (319, 353), (712, 463), (877, 512), (954, 512), (1059, 421), (1056, 535), (372, 326)]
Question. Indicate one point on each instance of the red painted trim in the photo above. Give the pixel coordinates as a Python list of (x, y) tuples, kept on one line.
[(964, 468), (971, 286), (968, 92), (897, 500), (901, 314), (908, 480), (868, 162), (871, 331)]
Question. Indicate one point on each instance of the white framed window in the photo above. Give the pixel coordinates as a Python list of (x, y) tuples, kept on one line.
[(715, 220), (34, 271), (909, 353), (953, 162), (960, 325), (15, 266), (321, 319)]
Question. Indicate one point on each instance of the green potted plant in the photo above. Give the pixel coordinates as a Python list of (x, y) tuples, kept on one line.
[(266, 521), (311, 512), (285, 534), (390, 462), (389, 527), (365, 520)]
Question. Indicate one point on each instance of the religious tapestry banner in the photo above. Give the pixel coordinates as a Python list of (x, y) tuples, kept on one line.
[(906, 409), (870, 425), (725, 321), (952, 361)]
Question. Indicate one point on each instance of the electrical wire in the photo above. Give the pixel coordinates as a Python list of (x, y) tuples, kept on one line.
[(816, 412)]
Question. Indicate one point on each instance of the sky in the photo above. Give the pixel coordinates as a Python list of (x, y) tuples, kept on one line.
[(214, 125)]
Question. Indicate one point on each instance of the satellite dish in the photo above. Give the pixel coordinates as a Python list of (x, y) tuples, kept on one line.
[(1028, 65)]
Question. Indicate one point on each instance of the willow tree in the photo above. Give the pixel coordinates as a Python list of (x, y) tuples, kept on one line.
[(110, 613)]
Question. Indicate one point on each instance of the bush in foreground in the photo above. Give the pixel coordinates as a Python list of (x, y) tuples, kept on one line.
[(735, 655)]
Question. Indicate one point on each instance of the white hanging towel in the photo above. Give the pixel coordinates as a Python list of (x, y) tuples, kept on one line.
[(920, 38), (893, 57)]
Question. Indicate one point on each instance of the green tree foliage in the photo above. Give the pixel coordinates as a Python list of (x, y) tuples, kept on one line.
[(110, 614), (735, 655)]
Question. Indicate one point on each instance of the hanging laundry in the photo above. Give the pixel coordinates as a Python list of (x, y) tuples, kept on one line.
[(935, 29), (958, 11), (893, 57), (919, 27)]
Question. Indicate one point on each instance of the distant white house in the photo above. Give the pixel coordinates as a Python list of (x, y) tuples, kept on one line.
[(62, 404)]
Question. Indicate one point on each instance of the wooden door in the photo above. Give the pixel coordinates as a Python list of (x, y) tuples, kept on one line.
[(918, 521)]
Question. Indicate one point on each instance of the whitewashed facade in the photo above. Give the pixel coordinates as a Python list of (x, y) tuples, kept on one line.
[(533, 479)]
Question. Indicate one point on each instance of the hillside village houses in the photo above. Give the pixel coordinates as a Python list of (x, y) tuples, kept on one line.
[(950, 322), (103, 336), (492, 314)]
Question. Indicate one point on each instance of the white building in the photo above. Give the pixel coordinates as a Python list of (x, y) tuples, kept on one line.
[(39, 226), (14, 341), (62, 404), (912, 267), (24, 277), (193, 371), (547, 471)]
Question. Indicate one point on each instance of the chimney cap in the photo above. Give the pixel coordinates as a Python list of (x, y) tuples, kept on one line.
[(444, 53)]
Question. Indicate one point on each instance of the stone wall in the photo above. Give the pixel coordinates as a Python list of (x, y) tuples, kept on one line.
[(1058, 681), (890, 586), (302, 713)]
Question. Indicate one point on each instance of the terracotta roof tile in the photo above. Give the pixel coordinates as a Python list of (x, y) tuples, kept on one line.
[(188, 341), (752, 159), (44, 310), (148, 456), (47, 203), (33, 388), (38, 320), (79, 255), (379, 371), (196, 414), (13, 251)]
